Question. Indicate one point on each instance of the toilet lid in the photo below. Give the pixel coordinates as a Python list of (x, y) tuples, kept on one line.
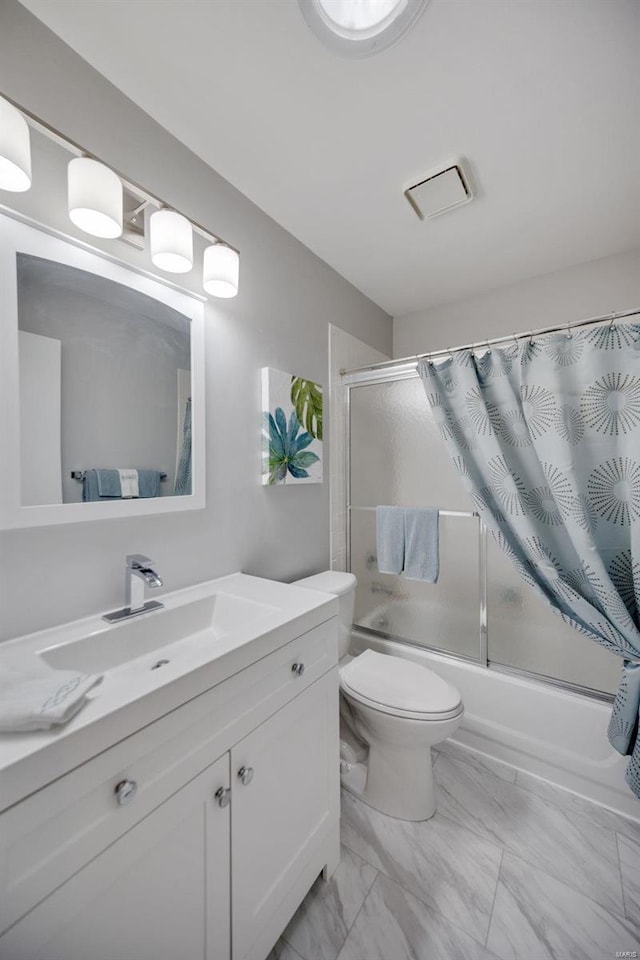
[(399, 685)]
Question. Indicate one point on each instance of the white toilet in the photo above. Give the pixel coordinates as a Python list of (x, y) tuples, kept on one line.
[(396, 708)]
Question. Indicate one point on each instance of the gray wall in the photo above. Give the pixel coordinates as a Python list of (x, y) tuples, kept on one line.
[(585, 290), (280, 319)]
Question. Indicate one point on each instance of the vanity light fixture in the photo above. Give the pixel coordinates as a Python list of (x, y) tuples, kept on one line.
[(95, 198), (220, 270), (171, 241), (15, 149)]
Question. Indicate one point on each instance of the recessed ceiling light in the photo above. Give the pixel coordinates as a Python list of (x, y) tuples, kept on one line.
[(360, 28)]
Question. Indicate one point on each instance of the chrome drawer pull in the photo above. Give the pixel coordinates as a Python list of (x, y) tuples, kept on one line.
[(223, 796), (297, 669), (125, 791), (245, 775)]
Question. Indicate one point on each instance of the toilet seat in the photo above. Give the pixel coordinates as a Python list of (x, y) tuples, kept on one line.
[(399, 687)]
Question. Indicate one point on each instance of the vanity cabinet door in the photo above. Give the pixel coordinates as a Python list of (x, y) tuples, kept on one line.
[(285, 803), (160, 892)]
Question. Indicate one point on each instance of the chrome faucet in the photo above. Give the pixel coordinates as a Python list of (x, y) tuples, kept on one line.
[(138, 572)]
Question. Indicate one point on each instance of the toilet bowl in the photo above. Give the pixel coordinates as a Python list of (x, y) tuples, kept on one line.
[(392, 712)]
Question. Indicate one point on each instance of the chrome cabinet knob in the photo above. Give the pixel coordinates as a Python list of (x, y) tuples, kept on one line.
[(125, 791), (297, 669), (222, 796), (245, 775)]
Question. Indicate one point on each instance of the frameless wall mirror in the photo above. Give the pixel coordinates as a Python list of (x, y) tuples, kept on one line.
[(102, 386)]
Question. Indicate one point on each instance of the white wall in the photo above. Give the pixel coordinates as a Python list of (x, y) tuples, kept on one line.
[(279, 319), (585, 290)]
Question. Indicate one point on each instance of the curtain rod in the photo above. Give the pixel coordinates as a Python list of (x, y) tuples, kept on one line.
[(404, 361)]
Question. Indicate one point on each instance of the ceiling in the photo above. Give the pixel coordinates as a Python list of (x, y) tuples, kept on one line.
[(541, 98)]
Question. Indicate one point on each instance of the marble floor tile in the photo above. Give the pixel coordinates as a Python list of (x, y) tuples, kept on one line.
[(443, 864), (395, 925), (324, 918), (566, 844), (478, 760), (571, 801), (629, 851), (282, 951), (536, 917)]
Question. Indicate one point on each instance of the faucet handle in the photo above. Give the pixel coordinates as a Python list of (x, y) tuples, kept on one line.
[(138, 560)]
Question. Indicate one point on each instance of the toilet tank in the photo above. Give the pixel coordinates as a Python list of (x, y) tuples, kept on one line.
[(343, 586)]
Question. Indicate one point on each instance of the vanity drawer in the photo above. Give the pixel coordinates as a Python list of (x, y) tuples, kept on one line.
[(50, 835)]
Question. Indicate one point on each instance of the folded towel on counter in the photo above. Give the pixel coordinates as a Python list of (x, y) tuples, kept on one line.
[(390, 539), (33, 696), (421, 544), (128, 483)]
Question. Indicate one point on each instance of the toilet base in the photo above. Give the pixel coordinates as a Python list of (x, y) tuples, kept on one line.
[(376, 784)]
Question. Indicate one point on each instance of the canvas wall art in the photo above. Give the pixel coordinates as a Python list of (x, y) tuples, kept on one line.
[(291, 429)]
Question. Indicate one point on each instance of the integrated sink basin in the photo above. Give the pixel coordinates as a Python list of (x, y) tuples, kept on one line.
[(170, 631)]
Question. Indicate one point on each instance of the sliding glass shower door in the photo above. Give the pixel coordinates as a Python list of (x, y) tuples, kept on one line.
[(397, 458), (480, 609)]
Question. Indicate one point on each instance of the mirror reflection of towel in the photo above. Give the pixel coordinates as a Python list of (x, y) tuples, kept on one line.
[(106, 484), (128, 482)]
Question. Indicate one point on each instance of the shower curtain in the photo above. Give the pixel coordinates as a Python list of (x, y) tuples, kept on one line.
[(183, 473), (546, 435)]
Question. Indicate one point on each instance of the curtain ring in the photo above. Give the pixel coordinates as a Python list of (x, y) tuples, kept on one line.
[(530, 335), (613, 317), (569, 332), (488, 346)]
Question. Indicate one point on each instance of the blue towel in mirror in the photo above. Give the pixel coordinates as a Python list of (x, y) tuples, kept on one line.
[(91, 487), (108, 484), (149, 483), (105, 484)]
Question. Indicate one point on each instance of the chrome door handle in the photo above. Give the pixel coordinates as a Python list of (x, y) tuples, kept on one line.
[(297, 669), (222, 796), (245, 775), (125, 791)]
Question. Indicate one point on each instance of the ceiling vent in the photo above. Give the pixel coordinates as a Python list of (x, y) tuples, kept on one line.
[(439, 192)]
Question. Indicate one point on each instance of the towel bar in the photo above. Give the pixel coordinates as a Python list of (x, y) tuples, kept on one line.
[(79, 475), (443, 513)]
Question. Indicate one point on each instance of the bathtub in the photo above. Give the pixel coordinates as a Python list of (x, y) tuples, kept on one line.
[(551, 733)]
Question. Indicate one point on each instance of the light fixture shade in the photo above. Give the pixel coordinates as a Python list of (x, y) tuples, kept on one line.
[(95, 198), (171, 239), (15, 149), (220, 270)]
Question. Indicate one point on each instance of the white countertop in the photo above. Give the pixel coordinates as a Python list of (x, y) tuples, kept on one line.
[(129, 699)]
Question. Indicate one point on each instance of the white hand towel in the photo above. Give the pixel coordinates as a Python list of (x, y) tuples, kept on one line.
[(35, 697), (128, 482)]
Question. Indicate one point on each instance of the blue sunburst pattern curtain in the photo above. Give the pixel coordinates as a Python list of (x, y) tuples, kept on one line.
[(183, 473), (546, 434)]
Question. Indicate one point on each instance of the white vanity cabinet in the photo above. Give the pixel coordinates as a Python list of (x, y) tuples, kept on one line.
[(143, 898), (233, 815)]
